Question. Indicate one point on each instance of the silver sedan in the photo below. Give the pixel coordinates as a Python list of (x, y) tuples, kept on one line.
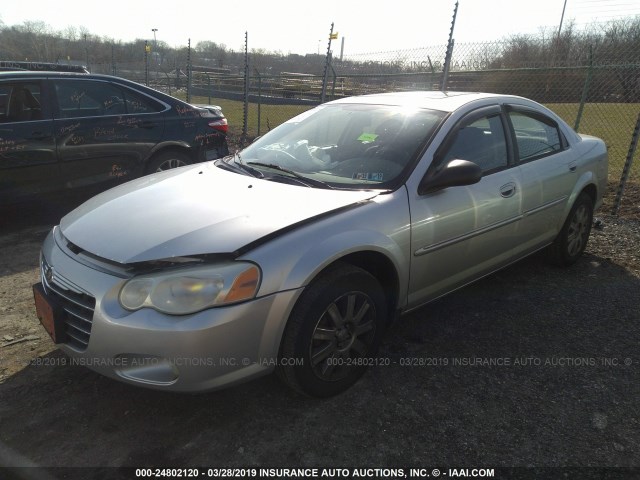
[(294, 254)]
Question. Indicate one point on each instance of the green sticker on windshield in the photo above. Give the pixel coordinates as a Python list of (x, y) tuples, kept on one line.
[(367, 137)]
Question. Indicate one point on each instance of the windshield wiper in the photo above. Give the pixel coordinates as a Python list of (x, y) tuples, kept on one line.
[(305, 180), (237, 161)]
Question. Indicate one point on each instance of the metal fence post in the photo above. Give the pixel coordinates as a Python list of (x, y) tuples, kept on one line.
[(168, 82), (177, 74), (327, 63), (245, 115), (259, 97), (146, 63), (585, 89), (627, 167), (113, 61), (447, 65), (431, 74), (449, 54), (189, 71), (333, 85)]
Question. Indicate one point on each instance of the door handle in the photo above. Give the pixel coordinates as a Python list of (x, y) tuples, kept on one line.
[(508, 190), (39, 135), (573, 167)]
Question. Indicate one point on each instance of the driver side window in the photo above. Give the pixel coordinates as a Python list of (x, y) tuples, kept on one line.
[(482, 142)]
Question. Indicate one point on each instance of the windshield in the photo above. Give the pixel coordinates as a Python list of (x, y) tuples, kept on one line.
[(344, 145)]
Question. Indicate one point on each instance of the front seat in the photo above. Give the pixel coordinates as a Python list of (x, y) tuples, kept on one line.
[(23, 106)]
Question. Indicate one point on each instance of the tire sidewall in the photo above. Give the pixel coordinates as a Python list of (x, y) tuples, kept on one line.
[(163, 157), (305, 317), (563, 245)]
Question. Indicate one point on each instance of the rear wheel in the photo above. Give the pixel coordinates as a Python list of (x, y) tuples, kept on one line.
[(167, 161), (333, 332), (572, 239)]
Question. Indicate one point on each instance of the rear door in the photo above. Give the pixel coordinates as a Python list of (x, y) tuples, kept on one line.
[(28, 166), (548, 174), (103, 131)]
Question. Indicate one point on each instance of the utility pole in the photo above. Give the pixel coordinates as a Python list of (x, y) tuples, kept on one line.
[(561, 20), (86, 51), (154, 55)]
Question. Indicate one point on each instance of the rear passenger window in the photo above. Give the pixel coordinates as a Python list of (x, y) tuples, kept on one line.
[(138, 103), (85, 98), (536, 136)]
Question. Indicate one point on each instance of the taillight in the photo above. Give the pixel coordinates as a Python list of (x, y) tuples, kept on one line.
[(220, 125)]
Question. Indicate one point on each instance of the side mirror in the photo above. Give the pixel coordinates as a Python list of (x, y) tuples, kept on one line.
[(456, 173)]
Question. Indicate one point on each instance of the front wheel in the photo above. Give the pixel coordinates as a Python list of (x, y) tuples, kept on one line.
[(572, 239), (333, 332)]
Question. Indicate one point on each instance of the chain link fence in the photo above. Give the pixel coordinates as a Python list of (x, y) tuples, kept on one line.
[(593, 84)]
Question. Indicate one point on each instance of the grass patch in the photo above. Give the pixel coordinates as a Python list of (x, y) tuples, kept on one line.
[(270, 115), (612, 122)]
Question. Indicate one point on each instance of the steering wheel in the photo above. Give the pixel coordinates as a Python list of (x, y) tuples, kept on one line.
[(282, 158), (374, 150)]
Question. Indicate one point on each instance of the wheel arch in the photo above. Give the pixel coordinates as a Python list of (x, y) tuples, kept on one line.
[(381, 268), (591, 190), (175, 146), (380, 257), (586, 184), (377, 263)]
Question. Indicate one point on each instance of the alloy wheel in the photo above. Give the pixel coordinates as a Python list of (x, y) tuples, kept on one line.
[(343, 334)]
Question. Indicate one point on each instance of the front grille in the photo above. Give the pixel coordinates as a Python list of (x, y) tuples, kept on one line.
[(78, 306)]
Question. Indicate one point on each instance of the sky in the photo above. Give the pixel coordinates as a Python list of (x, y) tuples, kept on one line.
[(290, 26)]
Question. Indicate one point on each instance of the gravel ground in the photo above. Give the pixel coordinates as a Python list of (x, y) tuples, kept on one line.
[(532, 366)]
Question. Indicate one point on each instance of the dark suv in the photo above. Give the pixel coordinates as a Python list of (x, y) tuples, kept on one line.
[(62, 131)]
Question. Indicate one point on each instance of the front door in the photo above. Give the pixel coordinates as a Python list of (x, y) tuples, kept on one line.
[(459, 234)]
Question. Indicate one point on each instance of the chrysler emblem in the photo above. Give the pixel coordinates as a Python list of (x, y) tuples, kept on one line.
[(48, 273)]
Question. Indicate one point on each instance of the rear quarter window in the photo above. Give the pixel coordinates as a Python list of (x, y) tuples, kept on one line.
[(139, 103), (536, 136)]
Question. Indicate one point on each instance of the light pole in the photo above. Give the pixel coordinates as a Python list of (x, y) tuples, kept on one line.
[(155, 48)]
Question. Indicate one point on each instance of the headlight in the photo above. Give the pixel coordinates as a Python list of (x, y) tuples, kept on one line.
[(190, 290)]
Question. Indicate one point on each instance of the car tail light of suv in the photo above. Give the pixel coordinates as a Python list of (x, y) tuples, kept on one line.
[(221, 125)]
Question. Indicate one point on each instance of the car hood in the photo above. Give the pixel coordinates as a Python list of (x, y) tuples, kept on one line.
[(194, 210)]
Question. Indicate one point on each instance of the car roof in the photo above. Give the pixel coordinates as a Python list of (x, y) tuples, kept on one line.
[(26, 75), (436, 100), (48, 73), (11, 65)]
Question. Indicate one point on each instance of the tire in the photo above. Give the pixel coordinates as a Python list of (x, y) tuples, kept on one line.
[(167, 161), (334, 330), (572, 240)]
